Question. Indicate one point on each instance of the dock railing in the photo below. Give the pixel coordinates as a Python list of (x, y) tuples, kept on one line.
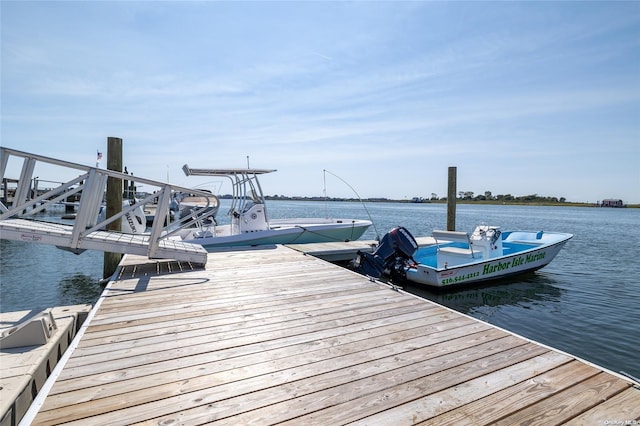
[(18, 212)]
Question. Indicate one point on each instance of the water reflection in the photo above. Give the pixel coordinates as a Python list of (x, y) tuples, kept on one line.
[(38, 276), (523, 291), (78, 289)]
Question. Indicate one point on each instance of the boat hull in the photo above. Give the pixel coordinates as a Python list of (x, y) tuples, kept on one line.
[(288, 231), (488, 269)]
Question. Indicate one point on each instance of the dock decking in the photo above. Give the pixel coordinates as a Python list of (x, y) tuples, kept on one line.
[(341, 251), (270, 335)]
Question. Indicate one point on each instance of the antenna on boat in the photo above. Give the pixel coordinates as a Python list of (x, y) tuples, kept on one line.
[(248, 162), (355, 192), (324, 191)]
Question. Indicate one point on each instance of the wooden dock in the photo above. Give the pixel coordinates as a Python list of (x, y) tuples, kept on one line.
[(345, 251), (271, 335)]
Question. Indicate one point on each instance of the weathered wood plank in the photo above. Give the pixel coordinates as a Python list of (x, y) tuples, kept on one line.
[(621, 409), (132, 301), (205, 308), (356, 399), (152, 288), (237, 318), (424, 408), (252, 343), (245, 310), (490, 408), (266, 393), (430, 331), (277, 308), (131, 355), (270, 335), (564, 405), (321, 370)]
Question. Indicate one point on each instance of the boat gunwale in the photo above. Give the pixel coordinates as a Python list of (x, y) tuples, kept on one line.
[(541, 246)]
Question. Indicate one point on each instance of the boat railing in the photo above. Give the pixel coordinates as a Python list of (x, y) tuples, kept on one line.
[(90, 185)]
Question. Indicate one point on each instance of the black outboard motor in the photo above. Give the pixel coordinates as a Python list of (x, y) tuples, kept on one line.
[(394, 252)]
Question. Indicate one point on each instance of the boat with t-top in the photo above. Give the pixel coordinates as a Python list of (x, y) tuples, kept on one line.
[(251, 225)]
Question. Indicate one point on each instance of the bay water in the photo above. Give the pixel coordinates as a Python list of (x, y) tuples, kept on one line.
[(586, 302)]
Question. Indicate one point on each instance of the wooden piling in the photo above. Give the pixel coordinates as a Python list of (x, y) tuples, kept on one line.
[(451, 199), (114, 200)]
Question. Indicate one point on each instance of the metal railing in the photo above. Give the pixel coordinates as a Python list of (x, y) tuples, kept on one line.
[(23, 202)]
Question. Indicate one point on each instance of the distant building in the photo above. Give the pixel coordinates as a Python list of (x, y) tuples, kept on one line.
[(612, 203)]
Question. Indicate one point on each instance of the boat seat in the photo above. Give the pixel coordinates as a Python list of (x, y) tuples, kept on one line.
[(457, 250), (454, 236)]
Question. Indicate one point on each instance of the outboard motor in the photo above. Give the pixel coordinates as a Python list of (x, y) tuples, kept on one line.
[(395, 250)]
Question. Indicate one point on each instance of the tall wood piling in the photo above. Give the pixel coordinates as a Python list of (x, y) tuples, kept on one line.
[(114, 200), (451, 199)]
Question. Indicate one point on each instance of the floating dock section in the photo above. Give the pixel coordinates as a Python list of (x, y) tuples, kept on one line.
[(270, 335), (31, 344)]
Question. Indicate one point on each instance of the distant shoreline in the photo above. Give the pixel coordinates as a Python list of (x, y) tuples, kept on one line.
[(407, 201)]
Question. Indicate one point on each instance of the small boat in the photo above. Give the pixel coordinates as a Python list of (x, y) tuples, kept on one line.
[(250, 224), (460, 258)]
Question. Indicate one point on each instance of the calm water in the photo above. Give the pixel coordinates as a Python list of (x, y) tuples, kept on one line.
[(586, 302)]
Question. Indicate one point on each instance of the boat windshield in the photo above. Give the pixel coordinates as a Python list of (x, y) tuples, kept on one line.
[(255, 197)]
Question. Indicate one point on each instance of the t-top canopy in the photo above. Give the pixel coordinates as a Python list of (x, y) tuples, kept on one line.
[(224, 172)]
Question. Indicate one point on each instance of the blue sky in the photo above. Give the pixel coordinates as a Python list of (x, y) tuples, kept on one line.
[(522, 97)]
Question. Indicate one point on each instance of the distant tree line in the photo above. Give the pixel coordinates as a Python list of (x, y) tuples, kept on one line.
[(466, 196), (462, 195), (488, 196)]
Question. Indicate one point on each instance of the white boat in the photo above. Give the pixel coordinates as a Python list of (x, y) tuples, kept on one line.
[(459, 258), (190, 205), (250, 223), (150, 211), (133, 222)]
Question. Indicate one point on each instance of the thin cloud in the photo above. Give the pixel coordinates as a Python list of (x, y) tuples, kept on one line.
[(396, 89)]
